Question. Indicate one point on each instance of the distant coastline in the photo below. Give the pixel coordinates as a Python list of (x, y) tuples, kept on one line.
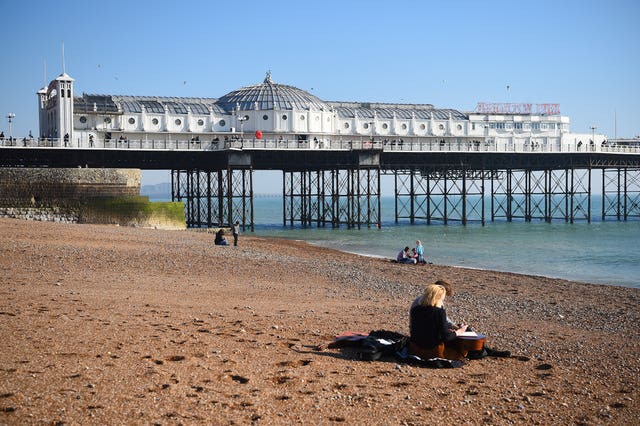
[(162, 192)]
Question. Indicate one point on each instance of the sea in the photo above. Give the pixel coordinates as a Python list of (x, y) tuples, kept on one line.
[(599, 252)]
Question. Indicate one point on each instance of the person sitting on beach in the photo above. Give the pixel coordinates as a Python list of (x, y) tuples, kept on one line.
[(420, 251), (432, 335), (414, 254), (404, 256), (448, 292), (220, 238)]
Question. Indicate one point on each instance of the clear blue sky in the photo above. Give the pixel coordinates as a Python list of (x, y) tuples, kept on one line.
[(581, 54)]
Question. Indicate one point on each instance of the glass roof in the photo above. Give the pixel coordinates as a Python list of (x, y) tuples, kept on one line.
[(402, 112), (153, 107), (268, 96), (264, 96), (102, 103)]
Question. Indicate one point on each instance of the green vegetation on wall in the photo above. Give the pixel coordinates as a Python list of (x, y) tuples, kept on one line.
[(133, 211)]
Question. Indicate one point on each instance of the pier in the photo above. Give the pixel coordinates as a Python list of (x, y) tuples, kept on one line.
[(338, 184)]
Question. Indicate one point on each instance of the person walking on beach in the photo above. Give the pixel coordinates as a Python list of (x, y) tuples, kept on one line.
[(236, 232)]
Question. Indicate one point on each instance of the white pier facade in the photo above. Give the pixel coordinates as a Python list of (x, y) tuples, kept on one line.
[(516, 161), (276, 116)]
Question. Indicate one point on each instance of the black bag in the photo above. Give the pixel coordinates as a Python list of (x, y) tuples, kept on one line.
[(381, 343)]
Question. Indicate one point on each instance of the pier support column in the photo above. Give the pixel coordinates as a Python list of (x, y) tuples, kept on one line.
[(621, 193), (215, 198), (440, 194), (340, 197)]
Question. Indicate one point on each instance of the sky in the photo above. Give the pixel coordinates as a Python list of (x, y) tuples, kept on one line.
[(581, 54)]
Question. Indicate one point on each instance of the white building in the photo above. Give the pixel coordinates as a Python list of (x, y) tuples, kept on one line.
[(275, 112)]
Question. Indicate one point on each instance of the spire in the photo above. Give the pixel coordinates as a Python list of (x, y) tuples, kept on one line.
[(63, 69), (267, 78)]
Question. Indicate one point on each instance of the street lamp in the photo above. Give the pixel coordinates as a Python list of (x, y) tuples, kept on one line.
[(10, 117), (593, 136)]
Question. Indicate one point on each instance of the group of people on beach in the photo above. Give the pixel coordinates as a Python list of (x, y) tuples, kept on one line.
[(412, 256), (434, 335), (221, 240)]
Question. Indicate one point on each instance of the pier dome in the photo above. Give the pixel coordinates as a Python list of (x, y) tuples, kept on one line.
[(270, 96)]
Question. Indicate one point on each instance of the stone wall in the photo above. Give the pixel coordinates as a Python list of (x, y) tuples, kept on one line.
[(43, 214), (42, 187)]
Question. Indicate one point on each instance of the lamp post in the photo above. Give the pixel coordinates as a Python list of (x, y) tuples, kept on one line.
[(593, 137), (10, 117)]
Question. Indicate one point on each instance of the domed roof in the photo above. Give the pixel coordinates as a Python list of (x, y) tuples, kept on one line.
[(269, 96)]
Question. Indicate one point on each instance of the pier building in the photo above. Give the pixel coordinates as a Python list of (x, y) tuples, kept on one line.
[(515, 161), (280, 112)]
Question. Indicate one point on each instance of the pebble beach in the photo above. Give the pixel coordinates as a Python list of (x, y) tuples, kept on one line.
[(112, 325)]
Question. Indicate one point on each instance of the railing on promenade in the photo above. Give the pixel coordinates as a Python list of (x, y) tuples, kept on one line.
[(292, 144)]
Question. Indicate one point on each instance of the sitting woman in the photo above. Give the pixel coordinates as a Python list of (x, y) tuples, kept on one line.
[(431, 335), (220, 238), (404, 256)]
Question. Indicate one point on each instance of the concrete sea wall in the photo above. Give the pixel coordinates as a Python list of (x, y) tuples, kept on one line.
[(105, 196)]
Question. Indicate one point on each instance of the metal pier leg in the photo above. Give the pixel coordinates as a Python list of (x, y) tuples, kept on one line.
[(284, 198), (589, 197), (493, 178), (571, 215), (221, 195), (395, 192), (173, 184), (567, 202), (482, 196), (527, 195), (464, 196), (509, 195), (626, 196), (198, 205), (358, 210), (335, 199), (428, 196), (412, 194), (229, 196), (209, 200), (604, 193), (379, 216), (619, 202), (548, 195), (446, 196), (251, 200)]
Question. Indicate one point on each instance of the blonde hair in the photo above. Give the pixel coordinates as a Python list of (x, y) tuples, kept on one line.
[(433, 295), (446, 286)]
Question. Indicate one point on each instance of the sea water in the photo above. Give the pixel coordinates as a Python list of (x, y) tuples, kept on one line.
[(600, 252)]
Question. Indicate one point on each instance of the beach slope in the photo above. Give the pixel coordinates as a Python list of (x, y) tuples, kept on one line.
[(113, 325)]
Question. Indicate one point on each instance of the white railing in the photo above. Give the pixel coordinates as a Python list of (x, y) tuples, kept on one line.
[(291, 144)]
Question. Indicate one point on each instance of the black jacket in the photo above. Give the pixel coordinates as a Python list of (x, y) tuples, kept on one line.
[(429, 326)]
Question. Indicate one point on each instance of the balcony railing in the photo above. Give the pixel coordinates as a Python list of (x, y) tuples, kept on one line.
[(335, 145)]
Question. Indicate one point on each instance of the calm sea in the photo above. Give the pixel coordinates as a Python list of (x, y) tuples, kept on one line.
[(598, 252)]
